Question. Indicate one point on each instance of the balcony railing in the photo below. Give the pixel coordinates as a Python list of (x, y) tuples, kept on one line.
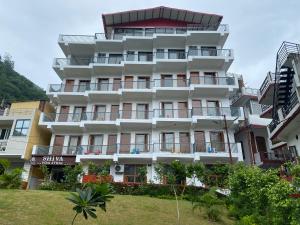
[(265, 108), (149, 32), (269, 79), (140, 114), (210, 52), (138, 148), (216, 111), (172, 113), (141, 57), (245, 92), (291, 104), (143, 84), (136, 114)]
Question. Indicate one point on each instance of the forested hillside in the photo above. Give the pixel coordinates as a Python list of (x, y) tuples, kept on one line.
[(15, 87)]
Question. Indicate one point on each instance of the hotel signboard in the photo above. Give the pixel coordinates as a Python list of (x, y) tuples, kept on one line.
[(59, 160)]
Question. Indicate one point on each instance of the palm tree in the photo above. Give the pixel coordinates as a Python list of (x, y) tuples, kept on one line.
[(87, 200)]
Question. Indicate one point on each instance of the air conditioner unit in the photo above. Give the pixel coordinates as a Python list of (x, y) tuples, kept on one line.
[(119, 168), (2, 148)]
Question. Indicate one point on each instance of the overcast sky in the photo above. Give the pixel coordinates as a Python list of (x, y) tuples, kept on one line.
[(29, 30)]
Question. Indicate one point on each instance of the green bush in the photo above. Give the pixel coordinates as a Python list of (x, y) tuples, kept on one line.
[(52, 186), (154, 190), (11, 179)]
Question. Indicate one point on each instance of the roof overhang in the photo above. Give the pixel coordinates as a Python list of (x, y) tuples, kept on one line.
[(164, 13)]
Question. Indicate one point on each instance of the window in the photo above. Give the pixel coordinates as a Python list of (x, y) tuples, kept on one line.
[(21, 128), (132, 174)]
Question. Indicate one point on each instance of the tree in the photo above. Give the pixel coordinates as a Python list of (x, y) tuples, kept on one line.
[(175, 174), (71, 176), (11, 179), (209, 202), (88, 199)]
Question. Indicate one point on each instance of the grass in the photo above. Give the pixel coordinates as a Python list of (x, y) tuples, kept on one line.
[(19, 207)]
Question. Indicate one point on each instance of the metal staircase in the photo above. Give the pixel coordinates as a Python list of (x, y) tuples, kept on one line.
[(284, 74)]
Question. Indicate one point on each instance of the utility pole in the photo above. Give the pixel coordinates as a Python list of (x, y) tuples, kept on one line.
[(229, 147)]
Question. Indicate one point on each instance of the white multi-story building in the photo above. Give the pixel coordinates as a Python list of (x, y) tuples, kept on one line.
[(153, 88)]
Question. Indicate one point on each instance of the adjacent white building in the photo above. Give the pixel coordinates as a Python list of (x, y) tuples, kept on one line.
[(280, 91), (153, 88)]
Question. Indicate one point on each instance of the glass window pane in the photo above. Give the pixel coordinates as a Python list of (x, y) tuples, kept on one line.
[(19, 123), (24, 132)]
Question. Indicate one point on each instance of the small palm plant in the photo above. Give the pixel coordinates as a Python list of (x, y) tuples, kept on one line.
[(88, 199)]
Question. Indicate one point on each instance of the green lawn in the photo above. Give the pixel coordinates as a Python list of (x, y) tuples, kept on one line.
[(19, 207)]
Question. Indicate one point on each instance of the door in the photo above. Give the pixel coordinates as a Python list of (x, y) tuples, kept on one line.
[(103, 84), (116, 84), (182, 109), (128, 84), (111, 144), (114, 112), (195, 78), (167, 110), (64, 114), (127, 111), (84, 85), (197, 108), (213, 108), (166, 80), (199, 141), (217, 141), (181, 80), (95, 144), (74, 142), (167, 142), (69, 85), (193, 50), (58, 145), (100, 113), (184, 139), (125, 143), (142, 111), (261, 144), (78, 114), (210, 78), (143, 83), (141, 142), (176, 53)]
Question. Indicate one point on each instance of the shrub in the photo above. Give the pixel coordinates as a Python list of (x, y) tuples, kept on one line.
[(11, 179), (71, 176), (52, 186)]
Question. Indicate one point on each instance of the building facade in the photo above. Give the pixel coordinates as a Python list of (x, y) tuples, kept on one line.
[(280, 93), (153, 88), (20, 131)]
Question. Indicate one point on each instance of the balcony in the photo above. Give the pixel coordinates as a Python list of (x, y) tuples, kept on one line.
[(209, 85), (3, 144), (266, 90), (210, 58), (136, 119), (245, 94), (266, 111), (72, 67), (272, 159)]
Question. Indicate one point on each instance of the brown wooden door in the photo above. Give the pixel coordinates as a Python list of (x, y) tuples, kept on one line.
[(100, 113), (69, 85), (64, 114), (184, 139), (127, 111), (197, 108), (125, 143), (114, 112), (128, 84), (261, 144), (182, 109), (111, 144), (217, 141), (181, 80), (199, 141), (95, 144), (194, 77), (58, 145), (116, 84)]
